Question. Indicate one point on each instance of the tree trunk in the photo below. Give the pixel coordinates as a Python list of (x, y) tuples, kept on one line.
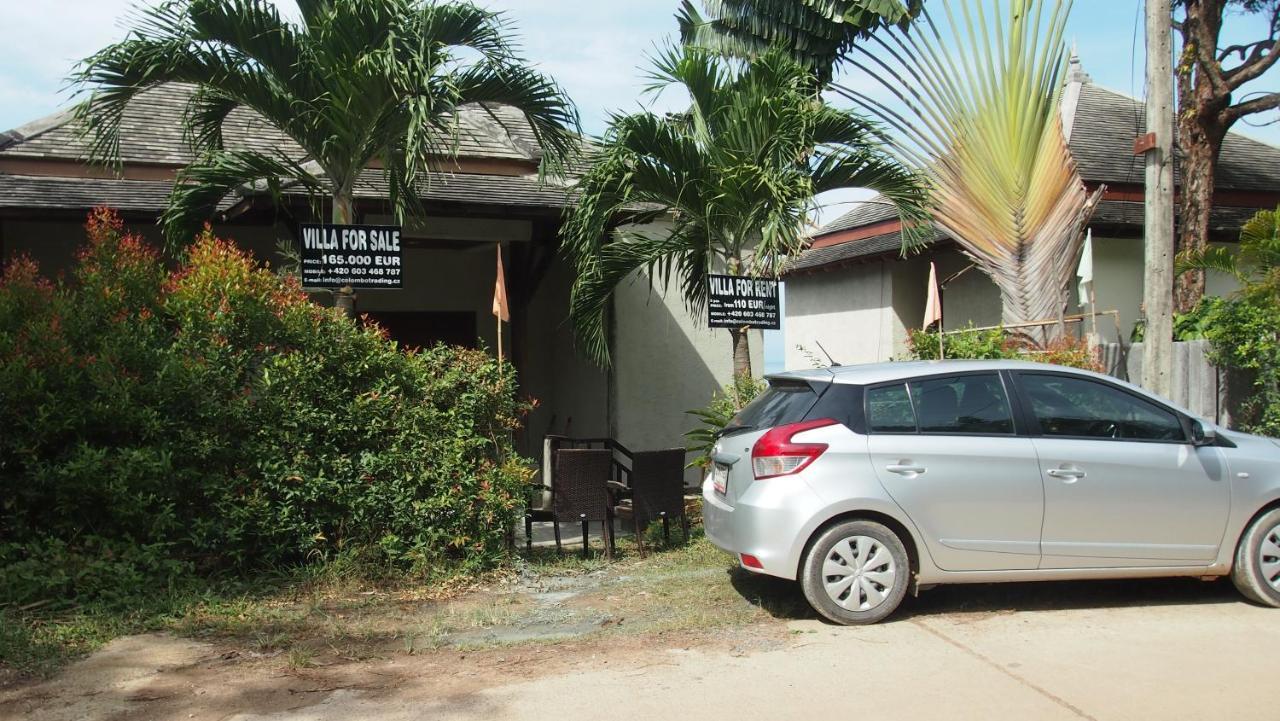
[(1202, 99), (1203, 140), (343, 212), (741, 351), (738, 336)]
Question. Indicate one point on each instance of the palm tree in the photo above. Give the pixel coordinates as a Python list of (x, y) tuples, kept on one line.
[(736, 174), (1256, 259), (355, 83), (816, 32), (979, 119)]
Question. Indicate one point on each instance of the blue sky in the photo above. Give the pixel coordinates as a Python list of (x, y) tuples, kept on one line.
[(594, 49)]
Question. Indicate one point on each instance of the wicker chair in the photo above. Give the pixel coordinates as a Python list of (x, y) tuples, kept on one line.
[(656, 492), (578, 493)]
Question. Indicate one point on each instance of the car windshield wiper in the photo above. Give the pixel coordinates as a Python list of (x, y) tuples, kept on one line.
[(734, 428)]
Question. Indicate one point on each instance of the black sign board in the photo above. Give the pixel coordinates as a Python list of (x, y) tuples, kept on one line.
[(735, 301), (361, 256)]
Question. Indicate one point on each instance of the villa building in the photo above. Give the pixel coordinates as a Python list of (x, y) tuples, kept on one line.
[(664, 362)]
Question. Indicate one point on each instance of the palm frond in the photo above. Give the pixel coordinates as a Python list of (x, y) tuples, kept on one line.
[(735, 174), (355, 82), (816, 32), (1211, 258), (978, 89), (201, 186)]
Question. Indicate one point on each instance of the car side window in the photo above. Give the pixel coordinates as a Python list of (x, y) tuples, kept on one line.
[(974, 404), (889, 410), (1082, 408)]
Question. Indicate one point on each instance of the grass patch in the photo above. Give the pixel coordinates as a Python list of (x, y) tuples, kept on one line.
[(342, 612)]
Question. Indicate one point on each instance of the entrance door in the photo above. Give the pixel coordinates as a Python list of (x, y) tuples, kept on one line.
[(945, 449), (1123, 484)]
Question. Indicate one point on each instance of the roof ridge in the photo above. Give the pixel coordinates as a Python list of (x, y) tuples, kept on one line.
[(37, 127)]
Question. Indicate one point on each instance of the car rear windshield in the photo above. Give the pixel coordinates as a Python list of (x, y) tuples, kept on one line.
[(781, 403)]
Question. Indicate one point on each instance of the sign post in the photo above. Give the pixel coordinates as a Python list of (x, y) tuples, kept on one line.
[(735, 301), (355, 256)]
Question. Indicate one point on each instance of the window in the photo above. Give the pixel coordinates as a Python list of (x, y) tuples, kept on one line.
[(781, 403), (974, 404), (889, 410), (1067, 406)]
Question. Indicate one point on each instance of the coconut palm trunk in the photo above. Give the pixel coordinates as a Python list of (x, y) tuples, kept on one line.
[(344, 213)]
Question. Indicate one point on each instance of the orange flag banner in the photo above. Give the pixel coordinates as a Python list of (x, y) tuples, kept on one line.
[(933, 304), (500, 293)]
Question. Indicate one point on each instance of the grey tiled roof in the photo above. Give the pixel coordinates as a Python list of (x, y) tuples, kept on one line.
[(1223, 220), (506, 190), (876, 245), (864, 213), (1110, 213), (29, 191), (1107, 123), (152, 132)]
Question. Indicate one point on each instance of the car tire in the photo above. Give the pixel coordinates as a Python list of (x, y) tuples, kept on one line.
[(855, 573), (1257, 568)]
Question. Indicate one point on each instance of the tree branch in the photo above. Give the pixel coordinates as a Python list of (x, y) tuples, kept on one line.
[(1243, 50), (1270, 101), (1257, 64)]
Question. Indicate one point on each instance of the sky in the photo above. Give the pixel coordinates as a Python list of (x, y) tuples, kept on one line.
[(596, 49)]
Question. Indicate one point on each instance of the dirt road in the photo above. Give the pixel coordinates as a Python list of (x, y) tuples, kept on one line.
[(1149, 650)]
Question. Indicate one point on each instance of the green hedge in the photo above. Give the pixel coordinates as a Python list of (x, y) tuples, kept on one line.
[(210, 418)]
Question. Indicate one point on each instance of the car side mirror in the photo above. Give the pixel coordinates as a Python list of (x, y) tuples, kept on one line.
[(1203, 435)]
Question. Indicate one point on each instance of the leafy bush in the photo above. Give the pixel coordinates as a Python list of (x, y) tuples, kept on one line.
[(1244, 336), (992, 344), (1244, 330), (968, 343), (211, 418), (713, 417)]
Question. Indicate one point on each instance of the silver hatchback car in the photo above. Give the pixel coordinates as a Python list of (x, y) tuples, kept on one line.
[(866, 482)]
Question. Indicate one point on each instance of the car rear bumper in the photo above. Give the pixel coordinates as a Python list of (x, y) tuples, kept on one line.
[(764, 522)]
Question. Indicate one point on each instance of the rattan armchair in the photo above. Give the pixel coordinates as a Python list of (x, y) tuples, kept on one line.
[(578, 493), (656, 493)]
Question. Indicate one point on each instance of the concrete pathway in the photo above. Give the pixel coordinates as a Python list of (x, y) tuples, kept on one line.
[(1206, 661)]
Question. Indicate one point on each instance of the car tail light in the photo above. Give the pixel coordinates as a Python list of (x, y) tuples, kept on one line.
[(776, 455), (751, 561)]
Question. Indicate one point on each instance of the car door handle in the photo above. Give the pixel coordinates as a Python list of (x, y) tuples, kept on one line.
[(904, 470), (1067, 474)]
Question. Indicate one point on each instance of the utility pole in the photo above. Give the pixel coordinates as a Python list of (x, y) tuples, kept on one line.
[(1157, 285)]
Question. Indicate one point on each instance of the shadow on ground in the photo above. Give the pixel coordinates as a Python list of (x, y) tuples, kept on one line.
[(783, 599)]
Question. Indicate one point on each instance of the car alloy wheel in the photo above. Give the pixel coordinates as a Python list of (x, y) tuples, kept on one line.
[(859, 573), (1256, 571), (1269, 557), (855, 572)]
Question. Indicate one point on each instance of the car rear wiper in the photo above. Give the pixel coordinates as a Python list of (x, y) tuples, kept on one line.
[(734, 428)]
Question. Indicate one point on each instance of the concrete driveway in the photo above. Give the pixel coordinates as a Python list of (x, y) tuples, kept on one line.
[(1122, 650), (1201, 654)]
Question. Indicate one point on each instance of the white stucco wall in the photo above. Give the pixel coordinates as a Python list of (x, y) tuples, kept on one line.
[(862, 313), (848, 311), (665, 363)]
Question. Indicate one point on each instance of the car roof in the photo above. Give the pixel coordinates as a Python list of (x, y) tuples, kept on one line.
[(871, 373), (868, 373)]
